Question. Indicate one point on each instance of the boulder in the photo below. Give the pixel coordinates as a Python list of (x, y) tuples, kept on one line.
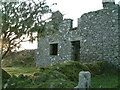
[(5, 76)]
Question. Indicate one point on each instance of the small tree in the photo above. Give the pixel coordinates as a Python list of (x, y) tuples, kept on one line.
[(19, 19)]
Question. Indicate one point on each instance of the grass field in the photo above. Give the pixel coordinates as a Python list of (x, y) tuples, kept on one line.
[(105, 81), (99, 81)]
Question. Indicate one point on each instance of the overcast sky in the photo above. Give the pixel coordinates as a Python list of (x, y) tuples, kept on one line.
[(75, 8), (71, 9)]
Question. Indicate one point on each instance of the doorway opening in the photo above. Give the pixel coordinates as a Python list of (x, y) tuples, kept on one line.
[(75, 50)]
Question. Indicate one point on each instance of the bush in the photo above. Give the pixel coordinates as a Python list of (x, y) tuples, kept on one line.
[(71, 69), (95, 68)]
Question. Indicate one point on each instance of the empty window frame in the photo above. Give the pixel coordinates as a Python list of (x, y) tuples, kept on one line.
[(53, 49)]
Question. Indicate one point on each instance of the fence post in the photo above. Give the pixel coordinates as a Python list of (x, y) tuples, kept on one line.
[(84, 80)]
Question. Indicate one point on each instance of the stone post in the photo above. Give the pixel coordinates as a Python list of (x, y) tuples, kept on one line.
[(84, 80)]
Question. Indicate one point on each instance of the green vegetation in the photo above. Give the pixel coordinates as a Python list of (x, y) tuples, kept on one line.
[(20, 70), (105, 81), (5, 76), (23, 58), (62, 75), (20, 20)]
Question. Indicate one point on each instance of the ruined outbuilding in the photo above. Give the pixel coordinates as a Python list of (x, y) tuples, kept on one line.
[(95, 38)]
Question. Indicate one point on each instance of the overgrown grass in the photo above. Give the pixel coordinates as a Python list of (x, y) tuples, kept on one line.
[(105, 81), (20, 70), (61, 75)]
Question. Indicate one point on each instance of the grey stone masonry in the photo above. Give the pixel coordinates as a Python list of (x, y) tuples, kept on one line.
[(95, 38), (84, 80)]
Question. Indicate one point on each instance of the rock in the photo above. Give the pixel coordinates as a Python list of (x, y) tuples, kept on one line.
[(5, 76), (21, 76), (84, 80)]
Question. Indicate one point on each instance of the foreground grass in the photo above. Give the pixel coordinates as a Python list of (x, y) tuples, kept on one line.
[(100, 81), (61, 76), (105, 81)]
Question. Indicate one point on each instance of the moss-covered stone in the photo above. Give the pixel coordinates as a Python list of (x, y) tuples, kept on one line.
[(47, 75), (5, 76)]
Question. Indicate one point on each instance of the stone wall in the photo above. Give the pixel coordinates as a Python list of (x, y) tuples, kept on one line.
[(64, 53), (97, 32)]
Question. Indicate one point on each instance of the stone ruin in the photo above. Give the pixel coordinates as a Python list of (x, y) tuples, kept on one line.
[(96, 37)]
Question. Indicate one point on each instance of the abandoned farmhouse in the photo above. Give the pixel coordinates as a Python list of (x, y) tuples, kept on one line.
[(96, 37)]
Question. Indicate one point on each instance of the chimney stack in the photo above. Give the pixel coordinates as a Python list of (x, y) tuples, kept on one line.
[(108, 3)]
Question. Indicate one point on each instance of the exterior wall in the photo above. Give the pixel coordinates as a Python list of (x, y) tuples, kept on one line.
[(98, 35), (99, 31), (64, 52)]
